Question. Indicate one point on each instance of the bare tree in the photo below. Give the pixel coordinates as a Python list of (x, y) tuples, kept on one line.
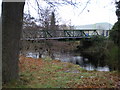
[(45, 18), (29, 22)]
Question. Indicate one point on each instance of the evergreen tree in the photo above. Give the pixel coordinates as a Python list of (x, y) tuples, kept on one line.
[(53, 21), (115, 32)]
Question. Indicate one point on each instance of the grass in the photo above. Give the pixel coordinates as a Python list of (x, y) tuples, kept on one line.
[(38, 73)]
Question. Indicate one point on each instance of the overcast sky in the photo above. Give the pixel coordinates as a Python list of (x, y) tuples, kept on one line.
[(95, 12)]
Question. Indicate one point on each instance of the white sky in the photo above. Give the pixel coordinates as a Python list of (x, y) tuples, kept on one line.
[(96, 11)]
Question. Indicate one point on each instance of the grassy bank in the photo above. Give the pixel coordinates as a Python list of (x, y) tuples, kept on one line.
[(39, 73)]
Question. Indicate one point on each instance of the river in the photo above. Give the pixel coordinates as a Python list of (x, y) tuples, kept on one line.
[(72, 58), (63, 51)]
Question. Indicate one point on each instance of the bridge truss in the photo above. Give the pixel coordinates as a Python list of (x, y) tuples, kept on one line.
[(57, 34)]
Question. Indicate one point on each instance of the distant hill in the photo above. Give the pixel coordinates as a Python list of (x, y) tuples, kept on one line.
[(102, 26)]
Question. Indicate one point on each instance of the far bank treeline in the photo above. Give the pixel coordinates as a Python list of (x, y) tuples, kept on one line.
[(103, 50)]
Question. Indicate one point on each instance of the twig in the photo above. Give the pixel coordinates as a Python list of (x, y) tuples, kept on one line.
[(84, 7)]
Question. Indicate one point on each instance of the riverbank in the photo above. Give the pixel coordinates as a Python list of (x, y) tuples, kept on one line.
[(47, 73)]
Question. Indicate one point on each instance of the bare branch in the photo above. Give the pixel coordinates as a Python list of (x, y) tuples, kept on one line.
[(32, 6), (85, 7), (62, 2)]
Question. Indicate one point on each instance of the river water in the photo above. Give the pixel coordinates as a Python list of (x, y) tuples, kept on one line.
[(72, 58), (63, 51)]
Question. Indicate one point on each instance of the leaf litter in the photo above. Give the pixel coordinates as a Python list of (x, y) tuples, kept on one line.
[(39, 73)]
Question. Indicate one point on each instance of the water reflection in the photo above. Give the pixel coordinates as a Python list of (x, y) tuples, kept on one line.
[(72, 58), (32, 54)]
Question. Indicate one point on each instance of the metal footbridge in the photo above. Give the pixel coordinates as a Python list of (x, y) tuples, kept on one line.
[(57, 34)]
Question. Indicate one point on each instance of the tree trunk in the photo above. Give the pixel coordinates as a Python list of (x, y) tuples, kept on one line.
[(12, 14)]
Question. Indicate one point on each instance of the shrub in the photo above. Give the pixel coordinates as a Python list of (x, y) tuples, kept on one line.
[(113, 57)]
